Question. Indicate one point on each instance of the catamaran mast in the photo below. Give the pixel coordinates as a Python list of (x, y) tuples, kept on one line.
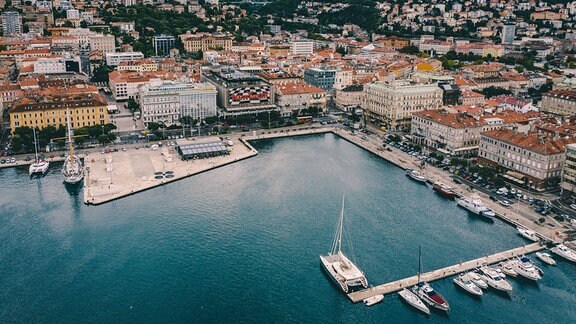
[(419, 262), (69, 132), (35, 145)]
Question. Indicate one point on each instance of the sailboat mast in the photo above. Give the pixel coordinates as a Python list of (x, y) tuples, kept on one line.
[(341, 225), (419, 262), (69, 132)]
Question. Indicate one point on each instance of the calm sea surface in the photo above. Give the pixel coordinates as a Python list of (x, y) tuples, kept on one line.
[(241, 244)]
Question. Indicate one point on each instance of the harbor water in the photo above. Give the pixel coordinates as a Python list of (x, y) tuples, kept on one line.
[(242, 244)]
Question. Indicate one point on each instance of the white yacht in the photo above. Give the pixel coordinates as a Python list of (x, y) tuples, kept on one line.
[(494, 279), (565, 252), (342, 271), (72, 170), (373, 300), (39, 166), (526, 268), (465, 282), (416, 175), (546, 258), (528, 233), (507, 267), (413, 301), (477, 280), (476, 206)]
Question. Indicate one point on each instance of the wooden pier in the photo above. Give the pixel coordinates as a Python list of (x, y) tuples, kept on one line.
[(452, 270)]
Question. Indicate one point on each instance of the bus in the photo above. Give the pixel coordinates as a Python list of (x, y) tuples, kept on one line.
[(304, 120)]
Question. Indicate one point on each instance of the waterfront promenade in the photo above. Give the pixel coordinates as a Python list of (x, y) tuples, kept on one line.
[(437, 274)]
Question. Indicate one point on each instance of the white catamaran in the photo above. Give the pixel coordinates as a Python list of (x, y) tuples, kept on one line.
[(342, 271), (72, 170), (40, 165)]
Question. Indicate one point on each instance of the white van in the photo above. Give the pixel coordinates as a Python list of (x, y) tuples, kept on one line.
[(154, 147)]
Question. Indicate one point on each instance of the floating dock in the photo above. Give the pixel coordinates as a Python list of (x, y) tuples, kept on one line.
[(442, 273)]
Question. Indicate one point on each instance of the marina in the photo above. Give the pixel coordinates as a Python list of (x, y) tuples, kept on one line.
[(442, 273), (140, 257)]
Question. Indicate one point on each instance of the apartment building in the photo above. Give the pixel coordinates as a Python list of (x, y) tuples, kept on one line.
[(449, 133), (349, 98), (168, 101), (531, 159), (568, 183), (393, 103), (11, 23), (115, 59), (559, 102), (302, 46), (291, 98), (320, 77), (86, 109)]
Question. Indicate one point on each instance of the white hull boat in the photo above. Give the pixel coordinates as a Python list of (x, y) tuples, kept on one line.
[(476, 206), (565, 252), (546, 258), (507, 267), (340, 269), (477, 280), (465, 282), (494, 279), (413, 300), (373, 300), (40, 166), (72, 170), (526, 268), (416, 175), (528, 234)]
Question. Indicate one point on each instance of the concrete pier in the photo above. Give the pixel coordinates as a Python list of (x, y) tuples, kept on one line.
[(452, 270)]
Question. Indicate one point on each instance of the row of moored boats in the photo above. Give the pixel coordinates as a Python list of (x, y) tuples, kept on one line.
[(473, 203), (348, 277)]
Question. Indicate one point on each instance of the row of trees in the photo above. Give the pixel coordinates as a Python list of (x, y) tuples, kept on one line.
[(23, 137)]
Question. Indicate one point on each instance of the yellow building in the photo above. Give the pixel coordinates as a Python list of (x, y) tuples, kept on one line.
[(39, 112), (205, 42)]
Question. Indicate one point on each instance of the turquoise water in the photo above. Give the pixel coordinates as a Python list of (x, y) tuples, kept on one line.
[(241, 244)]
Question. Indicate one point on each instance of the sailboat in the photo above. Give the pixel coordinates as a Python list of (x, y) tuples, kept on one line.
[(342, 271), (72, 170), (427, 293), (39, 165)]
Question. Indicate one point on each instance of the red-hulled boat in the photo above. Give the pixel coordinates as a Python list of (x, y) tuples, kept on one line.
[(444, 190)]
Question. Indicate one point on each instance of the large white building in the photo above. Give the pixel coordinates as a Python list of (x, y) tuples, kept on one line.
[(167, 101), (393, 103), (50, 65), (295, 97), (115, 59), (302, 46)]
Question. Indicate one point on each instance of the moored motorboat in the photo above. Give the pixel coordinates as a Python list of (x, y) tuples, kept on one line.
[(477, 280), (507, 267), (416, 175), (526, 268), (494, 279), (444, 190), (546, 258), (373, 300), (431, 296), (565, 252), (528, 234), (476, 206), (413, 300), (465, 282), (340, 269)]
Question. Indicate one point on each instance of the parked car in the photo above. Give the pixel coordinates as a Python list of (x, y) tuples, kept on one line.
[(456, 180), (573, 206), (504, 203), (493, 198)]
